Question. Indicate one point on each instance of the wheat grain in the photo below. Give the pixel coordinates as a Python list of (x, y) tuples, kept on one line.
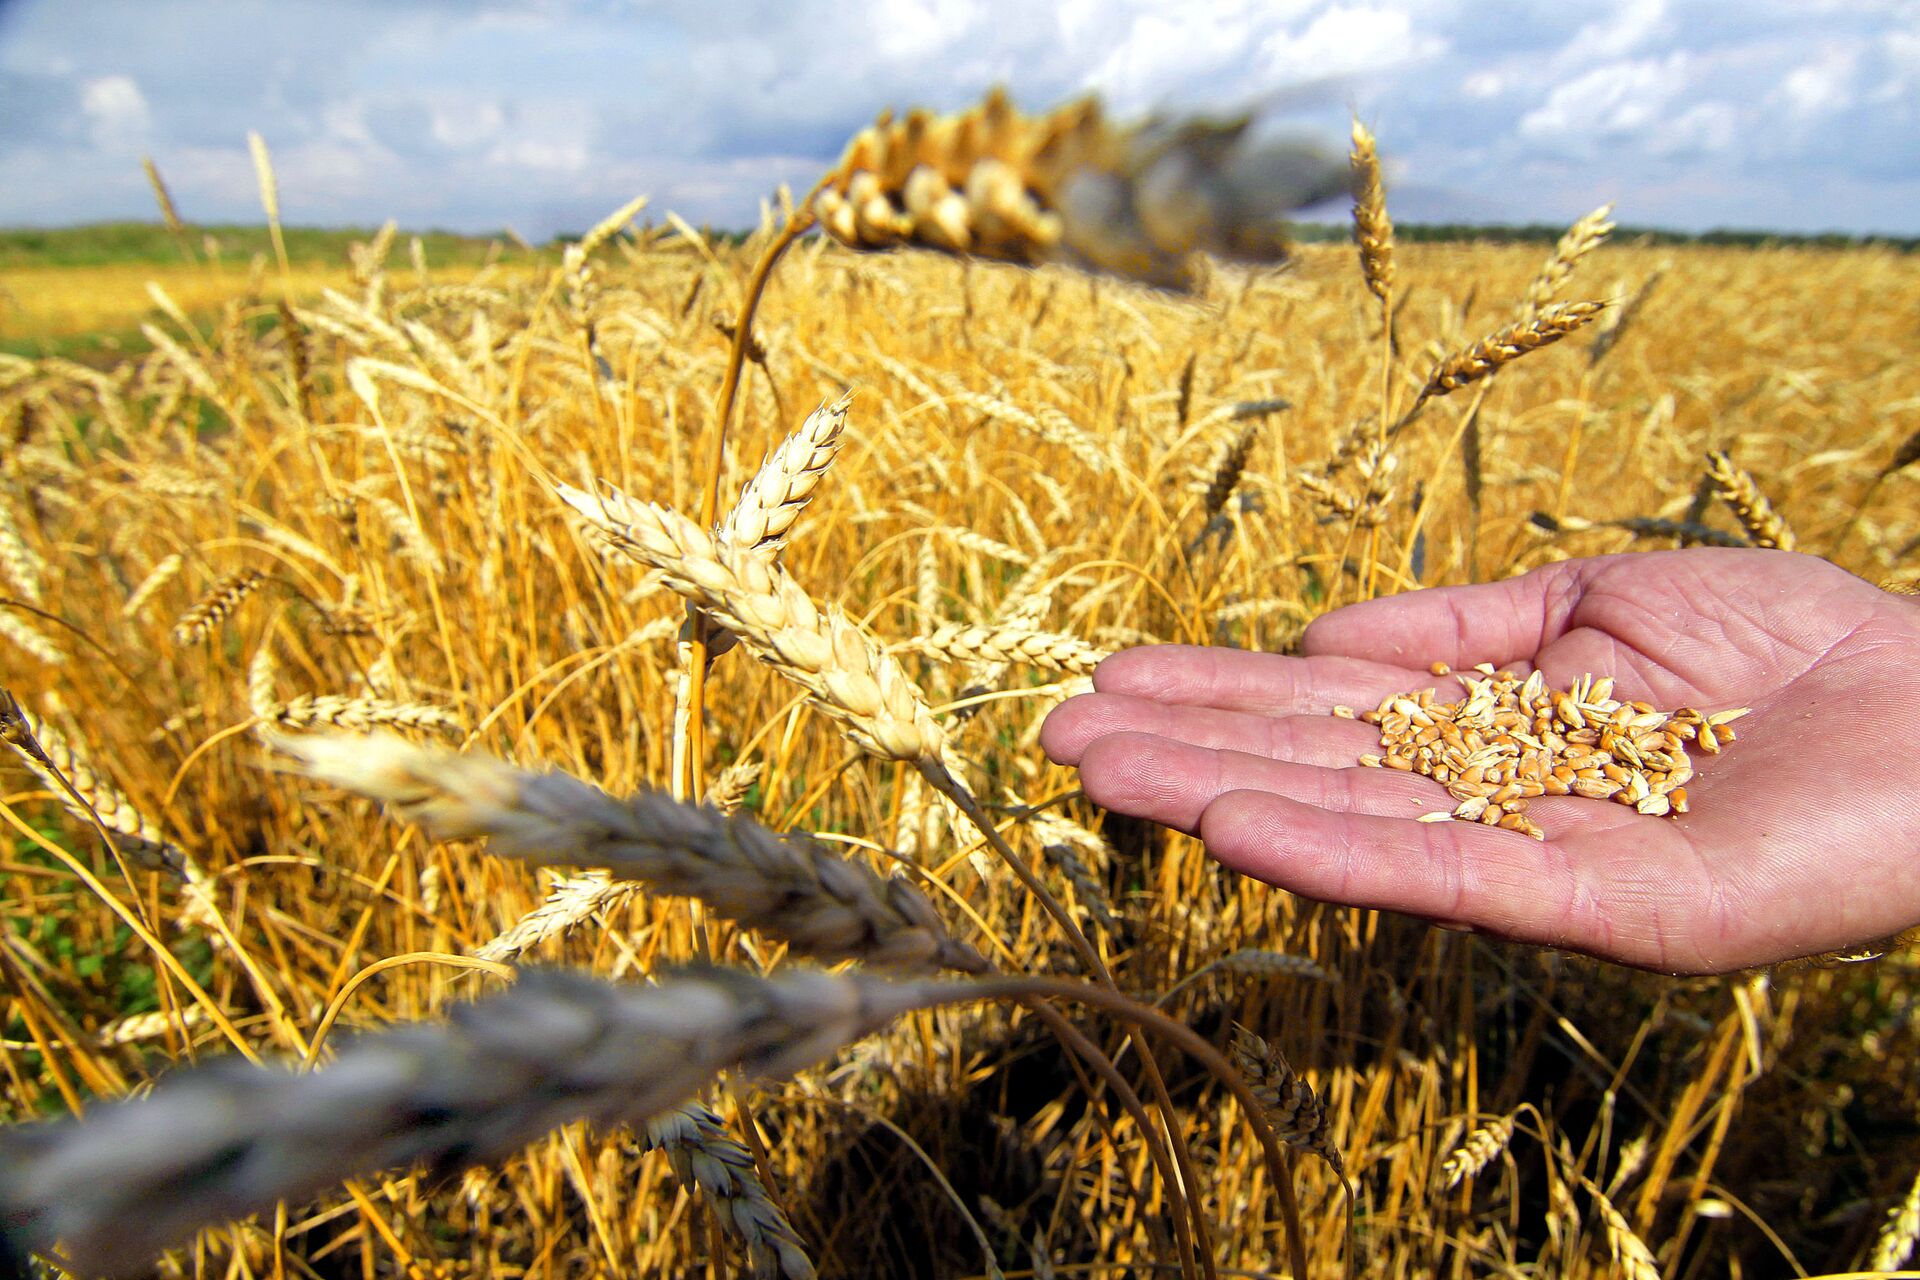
[(230, 1138), (1750, 507), (784, 886)]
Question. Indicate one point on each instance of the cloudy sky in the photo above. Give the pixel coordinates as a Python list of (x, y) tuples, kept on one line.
[(545, 114)]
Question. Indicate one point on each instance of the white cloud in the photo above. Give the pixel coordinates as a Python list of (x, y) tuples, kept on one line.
[(117, 114), (1824, 85), (1611, 102)]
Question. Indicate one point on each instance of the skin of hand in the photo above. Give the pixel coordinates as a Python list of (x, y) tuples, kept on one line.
[(1803, 835)]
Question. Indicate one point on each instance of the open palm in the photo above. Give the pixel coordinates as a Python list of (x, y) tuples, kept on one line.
[(1803, 835)]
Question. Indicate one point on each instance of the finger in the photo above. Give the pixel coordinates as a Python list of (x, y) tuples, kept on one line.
[(1317, 740), (1262, 683), (1499, 622), (1172, 783), (1628, 900)]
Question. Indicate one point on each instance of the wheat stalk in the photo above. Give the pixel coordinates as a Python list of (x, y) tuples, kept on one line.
[(1372, 227), (784, 886), (229, 1138), (1750, 507), (849, 678)]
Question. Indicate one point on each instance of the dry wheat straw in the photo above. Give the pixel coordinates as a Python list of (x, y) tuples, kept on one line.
[(1895, 1243), (851, 679), (784, 886), (1372, 227), (707, 1159), (205, 615), (1741, 492), (230, 1138)]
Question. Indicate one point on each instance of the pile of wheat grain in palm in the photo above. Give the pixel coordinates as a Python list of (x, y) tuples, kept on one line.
[(860, 984)]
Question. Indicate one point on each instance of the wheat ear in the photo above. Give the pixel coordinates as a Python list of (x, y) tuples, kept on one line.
[(1372, 228), (21, 565), (1581, 239), (1048, 650), (1896, 1240), (50, 757), (309, 711), (773, 500), (850, 679), (1481, 1148), (1291, 1107), (786, 887), (706, 1158), (230, 1138), (1738, 489), (206, 614), (1509, 344)]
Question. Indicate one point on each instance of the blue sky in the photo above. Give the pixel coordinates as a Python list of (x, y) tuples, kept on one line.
[(1787, 114)]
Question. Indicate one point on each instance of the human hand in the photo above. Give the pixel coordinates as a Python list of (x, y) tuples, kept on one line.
[(1803, 835)]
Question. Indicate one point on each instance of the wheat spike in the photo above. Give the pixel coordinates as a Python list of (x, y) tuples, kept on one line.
[(1482, 1147), (1581, 239), (21, 565), (850, 678), (1047, 650), (1896, 1240), (1228, 464), (30, 638), (1750, 507), (1483, 357), (1905, 456), (1372, 227), (262, 672), (50, 756), (706, 1158), (1630, 1253), (1069, 186), (784, 886), (1295, 1113), (1272, 964), (229, 1138), (206, 614), (773, 500), (309, 711)]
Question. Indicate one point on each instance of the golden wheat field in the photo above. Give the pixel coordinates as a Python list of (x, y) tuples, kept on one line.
[(344, 511)]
